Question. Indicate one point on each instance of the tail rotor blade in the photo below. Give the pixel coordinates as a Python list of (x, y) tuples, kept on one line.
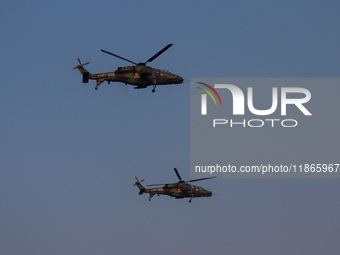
[(80, 64)]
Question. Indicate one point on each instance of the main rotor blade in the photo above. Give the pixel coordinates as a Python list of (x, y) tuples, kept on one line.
[(179, 177), (118, 56), (201, 179), (156, 184), (158, 53)]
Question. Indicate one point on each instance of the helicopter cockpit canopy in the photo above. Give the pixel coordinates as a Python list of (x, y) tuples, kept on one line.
[(160, 71), (125, 68), (197, 188)]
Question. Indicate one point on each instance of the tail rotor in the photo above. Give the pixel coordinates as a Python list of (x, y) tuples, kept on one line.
[(80, 64), (139, 186), (138, 181)]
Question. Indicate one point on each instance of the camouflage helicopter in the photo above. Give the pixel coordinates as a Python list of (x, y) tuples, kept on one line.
[(139, 75), (177, 190)]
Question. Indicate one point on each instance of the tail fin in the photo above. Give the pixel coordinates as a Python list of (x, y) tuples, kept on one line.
[(86, 74), (139, 186)]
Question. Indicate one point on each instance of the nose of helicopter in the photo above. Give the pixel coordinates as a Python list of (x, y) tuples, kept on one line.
[(209, 194), (179, 80)]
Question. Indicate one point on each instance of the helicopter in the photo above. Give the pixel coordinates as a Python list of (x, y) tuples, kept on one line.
[(177, 190), (139, 75)]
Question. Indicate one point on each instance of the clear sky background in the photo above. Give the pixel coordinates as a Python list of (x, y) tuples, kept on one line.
[(69, 154)]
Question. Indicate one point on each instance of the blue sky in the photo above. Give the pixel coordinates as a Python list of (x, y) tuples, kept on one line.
[(69, 154)]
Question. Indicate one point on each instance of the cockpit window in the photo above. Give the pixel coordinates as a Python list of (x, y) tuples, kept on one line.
[(161, 71), (197, 187), (125, 69)]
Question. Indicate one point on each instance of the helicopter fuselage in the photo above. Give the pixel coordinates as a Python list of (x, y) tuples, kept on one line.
[(176, 190), (141, 76), (180, 189)]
